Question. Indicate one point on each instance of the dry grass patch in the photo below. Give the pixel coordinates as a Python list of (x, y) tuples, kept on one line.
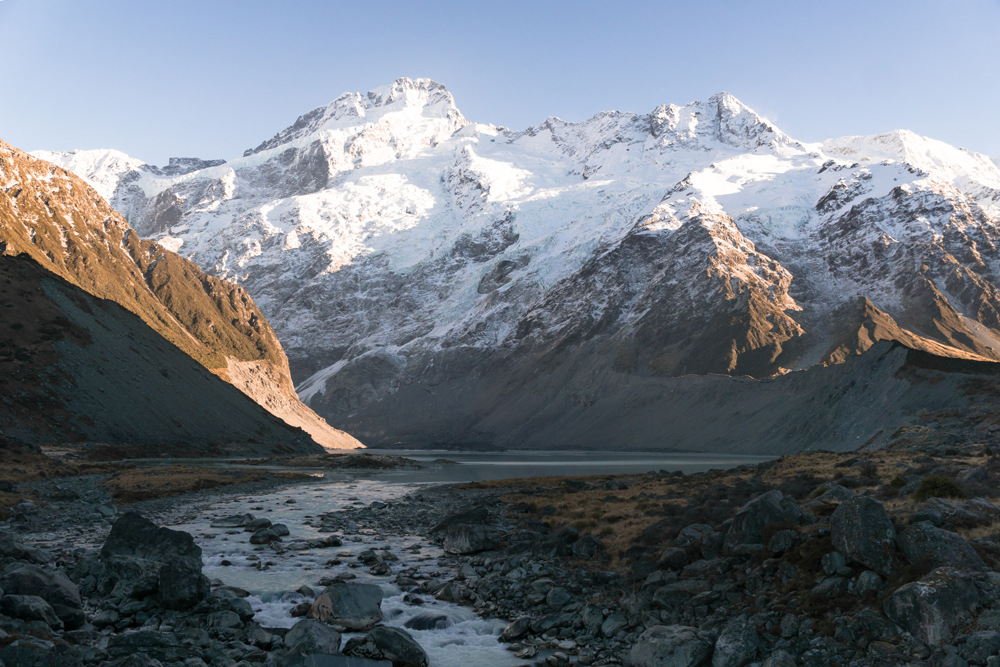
[(138, 484)]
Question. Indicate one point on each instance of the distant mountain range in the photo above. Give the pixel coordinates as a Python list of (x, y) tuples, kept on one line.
[(436, 280), (139, 317)]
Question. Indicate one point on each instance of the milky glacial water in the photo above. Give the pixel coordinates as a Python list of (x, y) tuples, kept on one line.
[(467, 639)]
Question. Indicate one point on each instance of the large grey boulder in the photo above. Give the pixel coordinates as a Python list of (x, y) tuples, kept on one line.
[(671, 646), (941, 547), (930, 609), (465, 539), (30, 608), (53, 587), (310, 636), (354, 607), (392, 644), (141, 558), (737, 645), (767, 508), (862, 531)]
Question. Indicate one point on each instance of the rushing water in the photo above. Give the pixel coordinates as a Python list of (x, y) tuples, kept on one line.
[(467, 639)]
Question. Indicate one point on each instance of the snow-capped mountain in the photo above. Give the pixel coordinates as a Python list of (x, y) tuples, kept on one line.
[(431, 277)]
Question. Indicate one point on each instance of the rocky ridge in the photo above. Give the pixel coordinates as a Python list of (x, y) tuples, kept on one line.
[(60, 222)]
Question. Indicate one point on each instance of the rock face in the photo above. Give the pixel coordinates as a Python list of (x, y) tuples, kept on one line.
[(671, 646), (354, 607), (943, 548), (931, 608), (60, 222), (863, 531), (439, 280), (61, 594), (141, 558)]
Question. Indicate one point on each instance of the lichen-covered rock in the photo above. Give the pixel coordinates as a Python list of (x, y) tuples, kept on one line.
[(671, 646), (863, 531), (931, 608), (737, 645), (941, 547)]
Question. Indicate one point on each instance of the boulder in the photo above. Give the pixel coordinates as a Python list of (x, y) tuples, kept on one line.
[(930, 609), (12, 549), (428, 621), (613, 624), (782, 541), (867, 581), (962, 515), (737, 645), (264, 536), (516, 630), (33, 652), (830, 492), (464, 539), (235, 521), (863, 532), (30, 608), (163, 646), (355, 607), (671, 646), (693, 534), (281, 530), (940, 547), (53, 587), (587, 547), (749, 523), (253, 525), (322, 660), (141, 558), (392, 644), (673, 558), (138, 660), (310, 636)]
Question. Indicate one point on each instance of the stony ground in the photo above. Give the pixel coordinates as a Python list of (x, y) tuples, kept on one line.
[(869, 558)]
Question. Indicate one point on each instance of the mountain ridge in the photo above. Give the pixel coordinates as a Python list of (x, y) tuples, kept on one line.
[(393, 243)]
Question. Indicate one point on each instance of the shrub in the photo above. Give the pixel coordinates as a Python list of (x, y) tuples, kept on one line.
[(938, 486), (897, 482)]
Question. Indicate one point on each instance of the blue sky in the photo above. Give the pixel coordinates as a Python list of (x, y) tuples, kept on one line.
[(209, 78)]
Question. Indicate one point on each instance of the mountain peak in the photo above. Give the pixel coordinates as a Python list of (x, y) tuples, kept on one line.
[(426, 97)]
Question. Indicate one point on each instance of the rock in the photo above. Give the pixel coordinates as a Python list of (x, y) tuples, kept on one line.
[(940, 547), (103, 619), (671, 646), (355, 607), (392, 644), (300, 610), (141, 558), (12, 549), (693, 534), (832, 562), (830, 492), (558, 597), (673, 558), (465, 539), (30, 608), (254, 525), (280, 529), (863, 532), (516, 630), (138, 660), (829, 587), (749, 523), (264, 536), (711, 546), (567, 535), (53, 587), (587, 547), (612, 624), (33, 652), (224, 619), (310, 636), (931, 608), (782, 541), (737, 645), (779, 659), (235, 521), (867, 581), (474, 517), (962, 515), (979, 646), (320, 660), (428, 621), (164, 646), (974, 474), (304, 591)]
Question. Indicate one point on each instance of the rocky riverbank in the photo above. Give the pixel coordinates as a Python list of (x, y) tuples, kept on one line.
[(883, 558)]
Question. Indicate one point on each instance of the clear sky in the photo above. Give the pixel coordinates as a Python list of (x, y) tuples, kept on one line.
[(210, 78)]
